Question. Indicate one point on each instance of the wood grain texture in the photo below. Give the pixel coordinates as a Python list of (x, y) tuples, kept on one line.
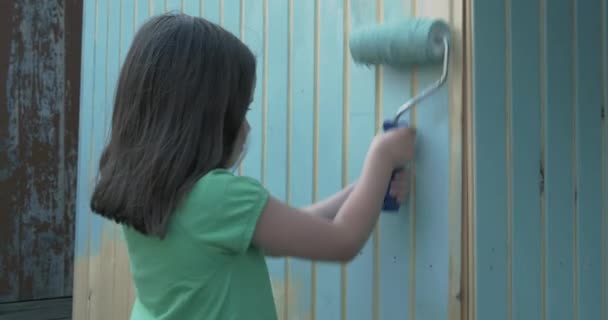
[(39, 92)]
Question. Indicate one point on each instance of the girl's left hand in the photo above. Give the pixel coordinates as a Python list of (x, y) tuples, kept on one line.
[(400, 185)]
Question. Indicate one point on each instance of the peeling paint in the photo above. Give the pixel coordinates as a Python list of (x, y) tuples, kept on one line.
[(38, 151)]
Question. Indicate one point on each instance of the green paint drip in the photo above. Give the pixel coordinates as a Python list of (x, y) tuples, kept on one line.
[(400, 43)]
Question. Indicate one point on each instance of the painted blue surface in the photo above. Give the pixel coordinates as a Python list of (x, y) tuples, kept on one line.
[(559, 151), (254, 38), (360, 282), (538, 97), (300, 296), (211, 10), (142, 12), (330, 140), (395, 247), (490, 159), (101, 102), (588, 95), (289, 80), (83, 188), (192, 8), (525, 130), (158, 7), (276, 126)]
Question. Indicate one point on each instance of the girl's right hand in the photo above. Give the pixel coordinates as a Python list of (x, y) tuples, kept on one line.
[(397, 145)]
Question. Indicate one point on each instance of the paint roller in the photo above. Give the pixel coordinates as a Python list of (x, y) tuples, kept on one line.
[(402, 44)]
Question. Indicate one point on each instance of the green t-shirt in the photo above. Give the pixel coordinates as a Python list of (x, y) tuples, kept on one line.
[(205, 267)]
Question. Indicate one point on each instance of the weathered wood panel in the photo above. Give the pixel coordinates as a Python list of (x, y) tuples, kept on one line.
[(46, 309), (540, 142), (39, 94)]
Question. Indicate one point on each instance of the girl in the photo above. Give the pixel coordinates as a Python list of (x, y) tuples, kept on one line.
[(197, 234)]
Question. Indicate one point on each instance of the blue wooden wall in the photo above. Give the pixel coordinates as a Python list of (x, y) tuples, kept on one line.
[(313, 116), (540, 141)]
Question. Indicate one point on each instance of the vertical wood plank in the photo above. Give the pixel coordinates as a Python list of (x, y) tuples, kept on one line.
[(588, 93), (173, 5), (275, 164), (123, 284), (192, 7), (432, 185), (157, 7), (396, 254), (362, 129), (604, 44), (211, 10), (232, 16), (525, 159), (300, 294), (112, 306), (142, 12), (457, 100), (81, 303), (99, 286), (254, 38), (330, 133), (469, 210), (559, 150), (490, 159)]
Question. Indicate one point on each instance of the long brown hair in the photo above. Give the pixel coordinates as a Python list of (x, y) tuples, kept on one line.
[(181, 97)]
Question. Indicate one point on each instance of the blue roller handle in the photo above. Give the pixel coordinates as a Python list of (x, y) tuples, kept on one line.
[(390, 202)]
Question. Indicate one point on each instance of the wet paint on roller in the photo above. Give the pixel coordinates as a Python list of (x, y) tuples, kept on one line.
[(400, 42)]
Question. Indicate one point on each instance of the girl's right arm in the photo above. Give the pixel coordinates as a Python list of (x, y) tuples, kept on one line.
[(286, 231)]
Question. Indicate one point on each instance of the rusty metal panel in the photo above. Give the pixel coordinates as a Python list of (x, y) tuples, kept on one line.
[(39, 94)]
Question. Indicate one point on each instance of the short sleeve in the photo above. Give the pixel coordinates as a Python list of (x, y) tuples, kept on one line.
[(223, 210)]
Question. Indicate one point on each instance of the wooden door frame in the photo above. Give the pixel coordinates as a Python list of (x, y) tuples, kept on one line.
[(468, 170)]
